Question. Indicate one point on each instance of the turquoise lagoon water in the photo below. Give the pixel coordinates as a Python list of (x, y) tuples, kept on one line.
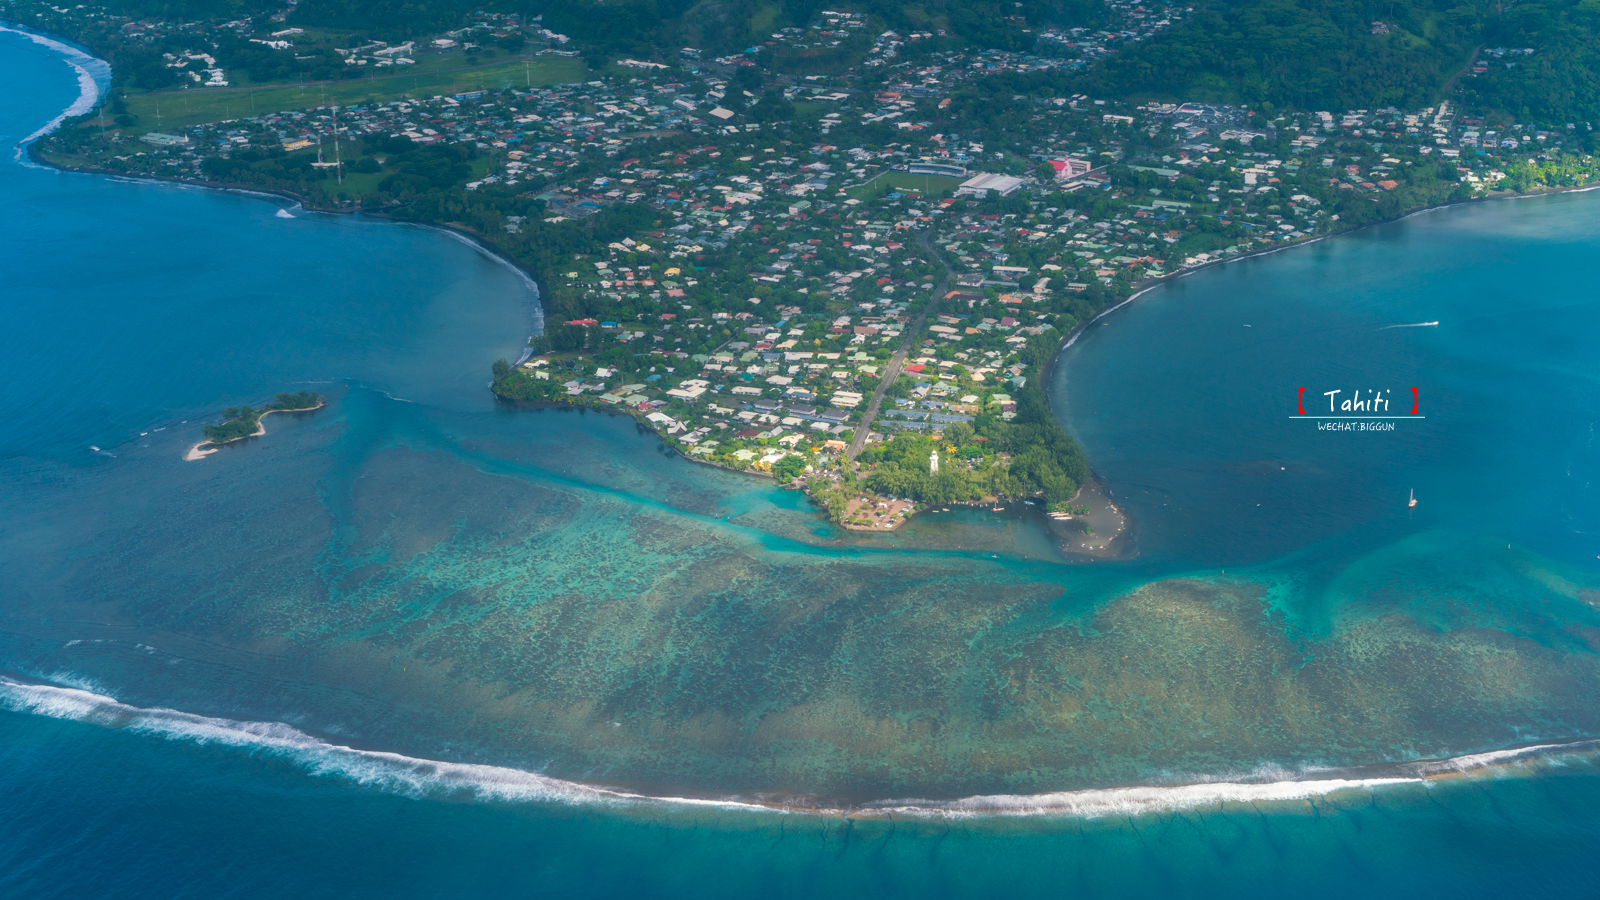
[(418, 644)]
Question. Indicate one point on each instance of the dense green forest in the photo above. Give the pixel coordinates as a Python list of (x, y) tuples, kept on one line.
[(1346, 54), (242, 421), (1310, 54), (1560, 81), (655, 27), (1269, 54), (660, 27), (401, 18)]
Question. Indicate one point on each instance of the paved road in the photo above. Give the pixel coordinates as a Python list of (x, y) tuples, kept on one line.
[(907, 341)]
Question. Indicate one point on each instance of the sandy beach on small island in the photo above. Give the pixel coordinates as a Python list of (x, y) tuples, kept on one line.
[(1102, 533), (196, 453)]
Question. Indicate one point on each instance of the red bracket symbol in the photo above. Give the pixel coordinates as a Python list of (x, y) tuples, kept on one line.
[(1302, 405), (1413, 401)]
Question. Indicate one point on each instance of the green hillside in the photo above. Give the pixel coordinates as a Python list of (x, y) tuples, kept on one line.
[(1537, 59), (1344, 54)]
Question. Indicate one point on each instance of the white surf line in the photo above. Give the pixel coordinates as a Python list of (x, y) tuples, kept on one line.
[(88, 87), (1131, 801), (425, 778), (387, 771), (1074, 339), (1497, 758), (1553, 193)]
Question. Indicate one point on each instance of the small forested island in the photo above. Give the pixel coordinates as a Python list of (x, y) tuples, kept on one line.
[(240, 422)]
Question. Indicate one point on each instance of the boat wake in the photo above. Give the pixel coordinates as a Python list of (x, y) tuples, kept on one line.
[(93, 74), (1410, 325), (425, 778)]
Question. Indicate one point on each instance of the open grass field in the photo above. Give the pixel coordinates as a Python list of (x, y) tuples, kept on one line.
[(359, 183), (168, 110), (928, 185)]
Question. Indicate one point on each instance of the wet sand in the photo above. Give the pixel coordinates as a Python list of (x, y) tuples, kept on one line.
[(1101, 534)]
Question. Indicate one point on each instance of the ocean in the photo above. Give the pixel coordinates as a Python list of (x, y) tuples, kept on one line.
[(421, 644)]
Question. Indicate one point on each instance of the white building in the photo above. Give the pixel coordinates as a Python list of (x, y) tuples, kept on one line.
[(979, 185)]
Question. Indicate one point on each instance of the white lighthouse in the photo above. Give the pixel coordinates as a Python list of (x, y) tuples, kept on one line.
[(933, 463)]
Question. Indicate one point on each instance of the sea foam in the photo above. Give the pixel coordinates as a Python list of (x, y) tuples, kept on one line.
[(386, 771), (425, 778), (1132, 801), (93, 73)]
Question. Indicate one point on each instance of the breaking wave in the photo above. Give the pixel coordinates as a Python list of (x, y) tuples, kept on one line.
[(93, 74), (1132, 801), (387, 771), (424, 778)]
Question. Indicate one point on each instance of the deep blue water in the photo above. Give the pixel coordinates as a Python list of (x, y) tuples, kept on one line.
[(1506, 384), (91, 812), (416, 571)]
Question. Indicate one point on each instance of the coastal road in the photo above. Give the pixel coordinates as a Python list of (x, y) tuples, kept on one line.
[(907, 341)]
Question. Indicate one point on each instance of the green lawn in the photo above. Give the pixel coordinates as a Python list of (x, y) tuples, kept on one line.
[(1200, 242), (928, 185), (168, 110)]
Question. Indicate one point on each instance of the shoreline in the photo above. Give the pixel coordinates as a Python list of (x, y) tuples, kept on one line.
[(1149, 283), (90, 91), (30, 147), (1108, 531), (565, 405), (478, 241), (195, 454), (1123, 546)]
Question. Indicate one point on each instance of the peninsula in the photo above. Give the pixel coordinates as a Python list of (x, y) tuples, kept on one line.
[(831, 249)]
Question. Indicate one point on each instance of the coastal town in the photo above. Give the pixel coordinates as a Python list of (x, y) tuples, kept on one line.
[(854, 279), (714, 449)]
